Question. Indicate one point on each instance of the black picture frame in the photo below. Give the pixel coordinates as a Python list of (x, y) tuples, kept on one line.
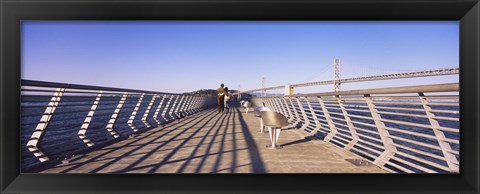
[(12, 12)]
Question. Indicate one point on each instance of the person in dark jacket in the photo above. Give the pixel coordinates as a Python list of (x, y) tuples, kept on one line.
[(220, 96)]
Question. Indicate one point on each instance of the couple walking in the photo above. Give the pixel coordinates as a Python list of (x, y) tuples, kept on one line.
[(223, 98)]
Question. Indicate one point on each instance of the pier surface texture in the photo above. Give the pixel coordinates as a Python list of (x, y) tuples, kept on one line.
[(212, 142)]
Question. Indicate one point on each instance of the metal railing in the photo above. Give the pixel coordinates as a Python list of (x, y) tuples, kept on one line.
[(404, 129), (59, 120)]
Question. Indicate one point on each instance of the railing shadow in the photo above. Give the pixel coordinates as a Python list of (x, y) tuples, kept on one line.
[(152, 134), (219, 141), (296, 142), (152, 151), (255, 157)]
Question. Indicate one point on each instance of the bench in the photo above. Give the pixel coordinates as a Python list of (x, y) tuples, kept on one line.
[(274, 121)]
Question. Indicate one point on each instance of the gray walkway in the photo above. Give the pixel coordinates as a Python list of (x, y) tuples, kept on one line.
[(208, 142)]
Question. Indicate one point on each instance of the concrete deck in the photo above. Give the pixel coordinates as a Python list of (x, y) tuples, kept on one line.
[(208, 142)]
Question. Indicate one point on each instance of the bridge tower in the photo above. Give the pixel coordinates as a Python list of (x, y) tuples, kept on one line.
[(336, 74), (239, 95), (264, 92)]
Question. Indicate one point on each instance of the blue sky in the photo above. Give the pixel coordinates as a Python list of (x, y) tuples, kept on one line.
[(173, 56)]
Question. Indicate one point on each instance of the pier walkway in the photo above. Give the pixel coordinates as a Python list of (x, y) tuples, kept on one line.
[(209, 142), (70, 128)]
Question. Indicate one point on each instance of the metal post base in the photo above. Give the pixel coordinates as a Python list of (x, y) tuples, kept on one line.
[(274, 134), (274, 148), (261, 126)]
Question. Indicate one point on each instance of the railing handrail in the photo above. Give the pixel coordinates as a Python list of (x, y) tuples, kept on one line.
[(36, 83), (449, 87)]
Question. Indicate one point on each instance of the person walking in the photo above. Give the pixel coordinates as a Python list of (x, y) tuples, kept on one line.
[(226, 99), (220, 96)]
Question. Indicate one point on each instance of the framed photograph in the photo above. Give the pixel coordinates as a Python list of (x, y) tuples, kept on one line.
[(223, 96)]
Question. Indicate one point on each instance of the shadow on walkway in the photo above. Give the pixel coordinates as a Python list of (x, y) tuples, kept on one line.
[(206, 142)]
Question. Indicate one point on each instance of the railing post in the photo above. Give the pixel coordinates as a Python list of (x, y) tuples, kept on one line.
[(315, 118), (390, 149), (187, 100), (277, 106), (167, 106), (328, 118), (187, 106), (290, 115), (274, 105), (268, 103), (297, 117), (351, 128), (451, 160), (198, 104), (37, 135), (83, 130), (193, 104), (112, 120), (174, 106), (155, 115), (134, 113), (279, 102), (144, 118), (305, 117), (271, 104), (180, 103)]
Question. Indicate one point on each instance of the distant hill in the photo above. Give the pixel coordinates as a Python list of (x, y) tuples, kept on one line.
[(211, 92)]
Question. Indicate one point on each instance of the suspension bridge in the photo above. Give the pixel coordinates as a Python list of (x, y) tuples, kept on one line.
[(73, 128), (413, 74)]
